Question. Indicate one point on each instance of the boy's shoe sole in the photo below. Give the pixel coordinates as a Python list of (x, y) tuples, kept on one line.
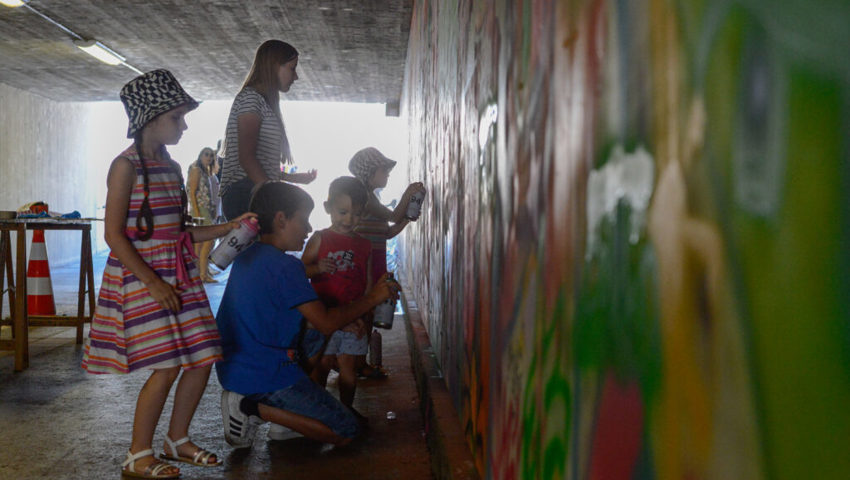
[(279, 432), (239, 429)]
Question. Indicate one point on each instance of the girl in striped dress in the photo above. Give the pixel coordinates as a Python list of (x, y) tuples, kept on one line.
[(152, 312)]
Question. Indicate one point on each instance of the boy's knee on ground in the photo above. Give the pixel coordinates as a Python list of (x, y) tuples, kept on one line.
[(349, 429)]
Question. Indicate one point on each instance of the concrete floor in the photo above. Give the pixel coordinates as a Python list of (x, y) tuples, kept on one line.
[(59, 422)]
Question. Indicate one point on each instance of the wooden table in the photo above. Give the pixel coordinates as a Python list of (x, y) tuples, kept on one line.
[(17, 290)]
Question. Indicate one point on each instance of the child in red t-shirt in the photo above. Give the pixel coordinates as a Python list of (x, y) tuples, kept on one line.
[(338, 262)]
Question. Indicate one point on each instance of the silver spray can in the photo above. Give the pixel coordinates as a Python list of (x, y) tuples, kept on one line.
[(234, 242), (415, 205), (385, 311), (384, 314)]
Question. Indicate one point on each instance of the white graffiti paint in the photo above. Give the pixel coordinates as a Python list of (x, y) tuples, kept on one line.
[(627, 176)]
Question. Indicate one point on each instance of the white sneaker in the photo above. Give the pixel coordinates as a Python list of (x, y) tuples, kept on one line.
[(279, 432), (239, 429)]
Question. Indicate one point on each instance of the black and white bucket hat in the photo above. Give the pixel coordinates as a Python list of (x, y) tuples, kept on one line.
[(365, 162), (152, 94)]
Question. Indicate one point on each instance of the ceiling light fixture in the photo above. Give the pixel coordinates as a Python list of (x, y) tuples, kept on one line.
[(100, 51), (92, 47)]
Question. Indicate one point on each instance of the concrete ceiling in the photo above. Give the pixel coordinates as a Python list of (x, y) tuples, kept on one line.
[(350, 50)]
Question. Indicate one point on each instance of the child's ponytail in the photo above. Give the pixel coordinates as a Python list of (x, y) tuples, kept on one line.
[(145, 212)]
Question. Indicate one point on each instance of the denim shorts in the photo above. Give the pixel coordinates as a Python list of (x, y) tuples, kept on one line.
[(347, 343), (237, 199), (312, 343), (306, 398)]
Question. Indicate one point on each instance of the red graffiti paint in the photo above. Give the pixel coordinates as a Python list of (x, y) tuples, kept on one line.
[(619, 428)]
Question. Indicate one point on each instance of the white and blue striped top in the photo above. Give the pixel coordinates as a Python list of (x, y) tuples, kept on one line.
[(271, 142)]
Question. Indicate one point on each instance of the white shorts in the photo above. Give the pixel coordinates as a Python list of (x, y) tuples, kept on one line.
[(347, 343)]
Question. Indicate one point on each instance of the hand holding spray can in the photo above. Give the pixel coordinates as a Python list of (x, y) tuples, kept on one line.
[(234, 242), (385, 311), (414, 207)]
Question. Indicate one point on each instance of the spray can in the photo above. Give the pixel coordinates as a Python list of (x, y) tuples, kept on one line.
[(385, 311), (384, 314), (415, 205), (237, 240), (375, 347)]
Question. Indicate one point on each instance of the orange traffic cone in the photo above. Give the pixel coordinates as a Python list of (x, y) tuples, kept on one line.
[(39, 287)]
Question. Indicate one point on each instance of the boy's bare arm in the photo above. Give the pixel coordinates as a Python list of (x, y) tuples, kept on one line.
[(310, 258), (311, 253), (329, 320)]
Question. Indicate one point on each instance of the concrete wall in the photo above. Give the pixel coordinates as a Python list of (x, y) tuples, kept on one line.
[(633, 259), (58, 153)]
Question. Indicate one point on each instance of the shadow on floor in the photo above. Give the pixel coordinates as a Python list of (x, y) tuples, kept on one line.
[(59, 422)]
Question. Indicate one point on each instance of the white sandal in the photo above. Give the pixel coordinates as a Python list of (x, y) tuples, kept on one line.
[(200, 458), (154, 470)]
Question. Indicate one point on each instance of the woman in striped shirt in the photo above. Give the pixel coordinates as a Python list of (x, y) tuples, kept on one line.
[(255, 142)]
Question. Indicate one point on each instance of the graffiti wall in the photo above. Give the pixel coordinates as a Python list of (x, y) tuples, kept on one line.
[(634, 261)]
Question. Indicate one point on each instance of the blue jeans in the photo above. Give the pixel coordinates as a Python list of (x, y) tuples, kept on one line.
[(237, 199), (312, 343), (306, 398)]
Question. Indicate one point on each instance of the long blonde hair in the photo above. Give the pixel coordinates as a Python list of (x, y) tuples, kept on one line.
[(263, 78)]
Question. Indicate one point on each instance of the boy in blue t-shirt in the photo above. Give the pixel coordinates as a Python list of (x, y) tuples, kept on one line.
[(261, 319)]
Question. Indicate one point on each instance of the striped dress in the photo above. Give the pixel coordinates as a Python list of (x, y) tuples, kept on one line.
[(375, 230), (130, 331)]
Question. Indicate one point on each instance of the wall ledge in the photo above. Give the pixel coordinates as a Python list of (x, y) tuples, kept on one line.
[(450, 454)]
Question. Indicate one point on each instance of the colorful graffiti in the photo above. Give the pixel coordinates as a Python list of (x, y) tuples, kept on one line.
[(635, 263)]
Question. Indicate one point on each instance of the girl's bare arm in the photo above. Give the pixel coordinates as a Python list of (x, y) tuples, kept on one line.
[(211, 232)]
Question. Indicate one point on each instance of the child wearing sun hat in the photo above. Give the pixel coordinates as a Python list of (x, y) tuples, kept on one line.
[(152, 312)]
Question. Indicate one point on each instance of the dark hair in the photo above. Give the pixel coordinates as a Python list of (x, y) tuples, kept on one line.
[(263, 78), (199, 163), (273, 197), (348, 186), (145, 212)]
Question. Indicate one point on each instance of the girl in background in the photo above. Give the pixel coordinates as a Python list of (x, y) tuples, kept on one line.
[(202, 187)]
